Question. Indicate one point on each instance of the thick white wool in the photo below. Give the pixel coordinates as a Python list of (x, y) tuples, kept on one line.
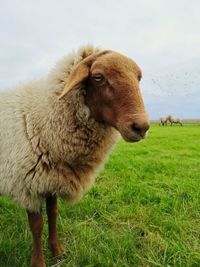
[(49, 145)]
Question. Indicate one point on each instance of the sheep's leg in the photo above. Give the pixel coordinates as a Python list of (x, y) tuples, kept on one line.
[(53, 241), (36, 226)]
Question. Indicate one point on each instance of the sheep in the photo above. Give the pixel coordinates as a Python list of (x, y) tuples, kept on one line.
[(174, 120), (56, 133), (162, 121)]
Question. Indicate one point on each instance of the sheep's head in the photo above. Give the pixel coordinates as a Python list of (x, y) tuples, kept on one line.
[(112, 92)]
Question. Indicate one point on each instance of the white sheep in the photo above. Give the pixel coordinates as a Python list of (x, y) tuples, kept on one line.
[(56, 133), (173, 120), (162, 121)]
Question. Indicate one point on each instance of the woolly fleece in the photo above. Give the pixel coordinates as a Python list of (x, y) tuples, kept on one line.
[(49, 145)]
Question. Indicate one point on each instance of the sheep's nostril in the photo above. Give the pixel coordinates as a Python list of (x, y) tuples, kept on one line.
[(140, 128), (135, 128)]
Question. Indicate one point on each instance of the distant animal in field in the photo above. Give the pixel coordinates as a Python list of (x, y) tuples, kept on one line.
[(173, 120), (56, 133), (163, 121)]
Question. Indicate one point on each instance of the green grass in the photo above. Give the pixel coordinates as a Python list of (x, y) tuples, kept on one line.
[(144, 209)]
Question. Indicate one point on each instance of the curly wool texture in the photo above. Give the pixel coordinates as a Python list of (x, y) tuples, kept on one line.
[(49, 145)]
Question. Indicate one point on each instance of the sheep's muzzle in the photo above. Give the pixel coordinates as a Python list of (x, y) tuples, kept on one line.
[(134, 129)]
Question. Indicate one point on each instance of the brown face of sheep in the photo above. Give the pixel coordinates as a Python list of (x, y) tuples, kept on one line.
[(113, 95)]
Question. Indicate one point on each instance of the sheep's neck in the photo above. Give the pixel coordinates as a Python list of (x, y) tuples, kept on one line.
[(74, 135)]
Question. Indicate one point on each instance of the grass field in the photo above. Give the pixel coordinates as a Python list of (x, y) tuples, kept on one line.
[(144, 209)]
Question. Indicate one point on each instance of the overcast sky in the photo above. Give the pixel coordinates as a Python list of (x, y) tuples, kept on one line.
[(162, 36)]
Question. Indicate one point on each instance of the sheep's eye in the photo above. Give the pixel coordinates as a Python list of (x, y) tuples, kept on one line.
[(139, 77), (98, 77)]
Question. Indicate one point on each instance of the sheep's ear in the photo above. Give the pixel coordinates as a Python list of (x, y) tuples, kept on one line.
[(78, 75), (81, 71)]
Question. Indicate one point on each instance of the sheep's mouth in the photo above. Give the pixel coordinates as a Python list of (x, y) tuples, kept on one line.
[(132, 137), (130, 134)]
